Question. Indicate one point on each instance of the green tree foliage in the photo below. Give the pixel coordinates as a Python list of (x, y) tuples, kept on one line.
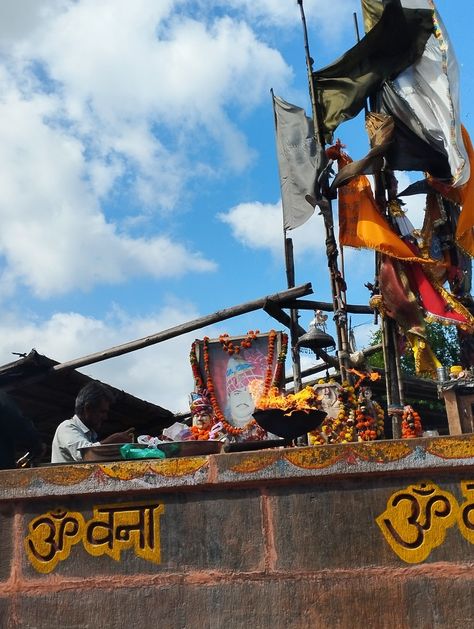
[(443, 340)]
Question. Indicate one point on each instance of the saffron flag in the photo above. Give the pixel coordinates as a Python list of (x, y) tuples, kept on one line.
[(424, 101), (395, 42), (465, 226), (362, 225), (298, 161), (463, 196)]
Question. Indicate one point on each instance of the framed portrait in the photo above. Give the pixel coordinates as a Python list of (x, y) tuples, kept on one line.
[(238, 371)]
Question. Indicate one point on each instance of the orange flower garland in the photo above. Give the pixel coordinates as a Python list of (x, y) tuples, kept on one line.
[(353, 421), (340, 429), (411, 423), (231, 349), (200, 434), (366, 426)]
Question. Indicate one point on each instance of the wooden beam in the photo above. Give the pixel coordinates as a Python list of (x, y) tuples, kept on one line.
[(274, 310), (153, 339), (306, 304)]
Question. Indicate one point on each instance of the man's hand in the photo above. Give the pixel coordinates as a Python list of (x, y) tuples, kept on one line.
[(120, 437)]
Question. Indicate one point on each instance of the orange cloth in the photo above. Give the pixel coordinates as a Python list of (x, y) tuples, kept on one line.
[(465, 227), (463, 196), (362, 225)]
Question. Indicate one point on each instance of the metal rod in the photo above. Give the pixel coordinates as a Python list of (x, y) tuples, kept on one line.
[(331, 245), (290, 275)]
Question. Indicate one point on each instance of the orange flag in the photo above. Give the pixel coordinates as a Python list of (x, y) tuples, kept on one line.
[(465, 227), (463, 196), (362, 225)]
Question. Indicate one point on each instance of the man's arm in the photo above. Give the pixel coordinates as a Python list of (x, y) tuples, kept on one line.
[(119, 437)]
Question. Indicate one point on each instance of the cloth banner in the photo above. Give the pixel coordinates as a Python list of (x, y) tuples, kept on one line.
[(395, 42), (298, 161), (465, 226), (362, 225), (424, 100)]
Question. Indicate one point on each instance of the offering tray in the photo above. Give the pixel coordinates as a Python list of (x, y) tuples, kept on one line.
[(171, 449), (105, 452), (247, 446), (281, 423)]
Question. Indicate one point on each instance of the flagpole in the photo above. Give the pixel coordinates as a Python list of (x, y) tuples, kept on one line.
[(324, 202), (294, 316), (290, 278)]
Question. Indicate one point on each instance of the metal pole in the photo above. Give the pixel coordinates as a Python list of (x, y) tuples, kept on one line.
[(290, 275), (338, 294)]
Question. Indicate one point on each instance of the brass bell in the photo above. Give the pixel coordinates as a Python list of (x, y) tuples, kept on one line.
[(316, 338)]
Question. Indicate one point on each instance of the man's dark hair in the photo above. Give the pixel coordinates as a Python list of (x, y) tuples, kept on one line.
[(93, 394)]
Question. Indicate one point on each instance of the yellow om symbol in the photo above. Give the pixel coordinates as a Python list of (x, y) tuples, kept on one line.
[(416, 520)]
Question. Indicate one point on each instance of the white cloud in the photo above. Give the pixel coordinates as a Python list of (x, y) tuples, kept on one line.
[(123, 101), (119, 62), (54, 237), (18, 19), (160, 373), (259, 226)]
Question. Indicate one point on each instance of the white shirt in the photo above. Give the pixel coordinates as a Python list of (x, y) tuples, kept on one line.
[(71, 435)]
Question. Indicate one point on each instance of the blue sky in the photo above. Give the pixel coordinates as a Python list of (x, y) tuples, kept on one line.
[(138, 184)]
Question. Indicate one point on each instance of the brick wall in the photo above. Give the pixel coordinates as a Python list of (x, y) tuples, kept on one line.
[(277, 539)]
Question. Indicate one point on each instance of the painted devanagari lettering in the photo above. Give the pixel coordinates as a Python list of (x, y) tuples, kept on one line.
[(466, 511), (126, 526), (114, 528), (51, 537)]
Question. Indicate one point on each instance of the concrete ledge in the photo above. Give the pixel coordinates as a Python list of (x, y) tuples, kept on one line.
[(313, 464)]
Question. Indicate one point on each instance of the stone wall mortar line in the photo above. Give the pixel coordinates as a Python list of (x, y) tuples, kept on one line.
[(14, 585), (434, 571), (213, 472), (268, 530)]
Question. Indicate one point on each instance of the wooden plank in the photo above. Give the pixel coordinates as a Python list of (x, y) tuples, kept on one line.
[(452, 410)]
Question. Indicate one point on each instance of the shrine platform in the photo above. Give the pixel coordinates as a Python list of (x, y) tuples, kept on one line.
[(376, 534)]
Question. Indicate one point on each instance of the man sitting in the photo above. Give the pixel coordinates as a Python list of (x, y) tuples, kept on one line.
[(92, 407)]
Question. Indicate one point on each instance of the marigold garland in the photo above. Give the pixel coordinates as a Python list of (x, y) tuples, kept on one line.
[(198, 382), (411, 423), (370, 419), (339, 429), (355, 421), (229, 347)]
